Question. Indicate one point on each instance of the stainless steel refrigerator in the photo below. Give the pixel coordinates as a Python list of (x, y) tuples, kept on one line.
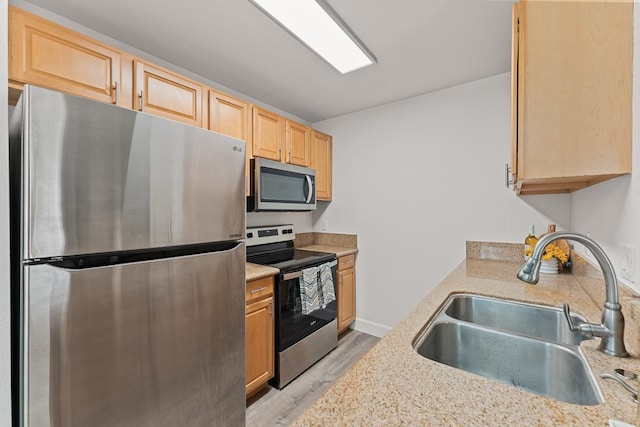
[(128, 267)]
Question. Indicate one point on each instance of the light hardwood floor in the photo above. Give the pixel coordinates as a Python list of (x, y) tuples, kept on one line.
[(273, 407)]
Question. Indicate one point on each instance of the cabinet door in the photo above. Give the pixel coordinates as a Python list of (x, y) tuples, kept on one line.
[(298, 143), (346, 298), (268, 134), (48, 55), (259, 344), (163, 93), (232, 117), (575, 72), (514, 91), (321, 161)]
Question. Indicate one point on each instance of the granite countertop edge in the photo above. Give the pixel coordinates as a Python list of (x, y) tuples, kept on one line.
[(393, 385)]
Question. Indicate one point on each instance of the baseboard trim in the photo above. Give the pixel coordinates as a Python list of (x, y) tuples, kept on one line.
[(371, 328)]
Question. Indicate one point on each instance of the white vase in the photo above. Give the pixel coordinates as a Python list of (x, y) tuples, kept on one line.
[(551, 266)]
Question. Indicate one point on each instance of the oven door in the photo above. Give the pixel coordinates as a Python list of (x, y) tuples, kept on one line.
[(291, 324), (283, 187)]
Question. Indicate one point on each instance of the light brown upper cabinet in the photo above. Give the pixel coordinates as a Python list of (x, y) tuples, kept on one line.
[(572, 96), (232, 117), (298, 143), (229, 116), (163, 93), (321, 161), (268, 134), (48, 55)]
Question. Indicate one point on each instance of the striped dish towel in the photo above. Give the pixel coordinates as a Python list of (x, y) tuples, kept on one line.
[(309, 295), (326, 283)]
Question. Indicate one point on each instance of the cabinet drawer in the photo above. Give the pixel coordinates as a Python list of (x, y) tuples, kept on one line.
[(258, 289), (345, 262)]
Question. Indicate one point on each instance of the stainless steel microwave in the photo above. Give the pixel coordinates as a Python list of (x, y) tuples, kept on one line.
[(280, 186)]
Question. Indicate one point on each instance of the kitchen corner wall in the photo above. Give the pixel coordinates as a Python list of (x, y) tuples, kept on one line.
[(416, 179), (610, 212), (5, 344)]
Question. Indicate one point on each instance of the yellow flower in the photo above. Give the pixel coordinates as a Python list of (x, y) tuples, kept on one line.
[(551, 251)]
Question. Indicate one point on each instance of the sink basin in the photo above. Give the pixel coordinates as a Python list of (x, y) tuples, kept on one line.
[(486, 336), (521, 318)]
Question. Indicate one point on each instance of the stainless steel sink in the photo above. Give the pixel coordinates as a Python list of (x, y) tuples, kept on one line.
[(532, 320), (500, 348)]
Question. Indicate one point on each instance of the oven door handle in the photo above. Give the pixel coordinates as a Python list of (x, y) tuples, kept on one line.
[(289, 276)]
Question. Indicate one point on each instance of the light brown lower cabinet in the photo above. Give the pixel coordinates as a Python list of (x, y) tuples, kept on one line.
[(346, 292), (259, 329)]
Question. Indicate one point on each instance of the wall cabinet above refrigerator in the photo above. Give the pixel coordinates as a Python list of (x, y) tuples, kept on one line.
[(48, 55)]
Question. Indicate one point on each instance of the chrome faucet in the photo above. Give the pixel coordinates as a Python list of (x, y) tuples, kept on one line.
[(611, 330)]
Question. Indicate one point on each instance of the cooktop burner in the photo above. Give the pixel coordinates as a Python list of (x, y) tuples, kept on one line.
[(302, 258), (278, 249)]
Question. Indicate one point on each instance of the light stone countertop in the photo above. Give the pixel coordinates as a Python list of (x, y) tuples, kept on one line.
[(257, 271), (392, 385)]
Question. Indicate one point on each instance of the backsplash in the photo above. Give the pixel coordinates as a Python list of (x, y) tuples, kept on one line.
[(591, 280), (495, 251), (329, 239)]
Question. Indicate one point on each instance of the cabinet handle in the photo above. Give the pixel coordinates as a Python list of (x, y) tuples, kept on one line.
[(255, 291), (271, 308), (280, 153), (310, 188), (290, 157), (116, 93), (507, 172), (290, 276), (141, 100)]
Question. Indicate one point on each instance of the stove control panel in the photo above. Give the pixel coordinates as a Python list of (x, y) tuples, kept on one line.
[(269, 234)]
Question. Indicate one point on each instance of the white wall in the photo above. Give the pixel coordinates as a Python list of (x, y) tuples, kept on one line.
[(610, 212), (415, 180), (5, 345)]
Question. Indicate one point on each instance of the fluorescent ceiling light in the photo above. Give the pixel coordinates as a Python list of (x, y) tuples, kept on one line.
[(316, 25)]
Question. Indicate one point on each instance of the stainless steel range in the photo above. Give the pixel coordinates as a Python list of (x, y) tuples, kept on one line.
[(306, 326)]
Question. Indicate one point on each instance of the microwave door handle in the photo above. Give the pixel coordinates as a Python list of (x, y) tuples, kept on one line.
[(310, 187)]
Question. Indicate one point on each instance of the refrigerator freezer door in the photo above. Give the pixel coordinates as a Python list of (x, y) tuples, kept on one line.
[(158, 343), (99, 178)]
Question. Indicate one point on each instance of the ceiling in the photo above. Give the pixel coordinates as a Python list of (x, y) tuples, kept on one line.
[(421, 46)]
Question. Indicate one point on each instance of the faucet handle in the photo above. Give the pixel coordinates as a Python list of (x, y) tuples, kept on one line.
[(567, 315)]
